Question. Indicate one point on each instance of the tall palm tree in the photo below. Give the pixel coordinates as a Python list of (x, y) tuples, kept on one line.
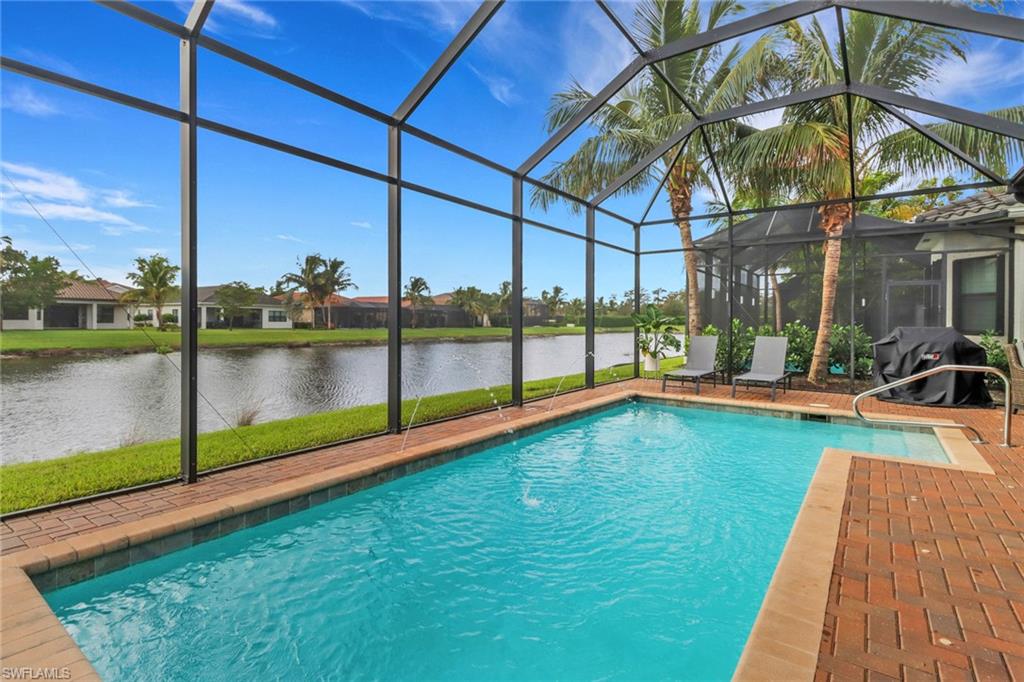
[(574, 310), (647, 112), (553, 299), (470, 299), (417, 291), (812, 141), (335, 276), (154, 278), (504, 299), (315, 281)]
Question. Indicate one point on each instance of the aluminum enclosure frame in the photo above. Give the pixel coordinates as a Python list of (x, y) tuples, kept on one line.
[(191, 37)]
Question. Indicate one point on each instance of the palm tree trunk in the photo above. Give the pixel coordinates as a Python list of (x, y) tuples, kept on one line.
[(777, 298), (833, 219), (681, 198)]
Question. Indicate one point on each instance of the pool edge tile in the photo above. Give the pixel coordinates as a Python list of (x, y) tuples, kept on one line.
[(31, 636), (805, 568)]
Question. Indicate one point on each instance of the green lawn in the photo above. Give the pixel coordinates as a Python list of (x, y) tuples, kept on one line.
[(127, 339), (31, 484)]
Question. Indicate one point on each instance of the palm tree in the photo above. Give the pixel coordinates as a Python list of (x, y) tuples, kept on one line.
[(154, 278), (304, 282), (504, 299), (417, 291), (553, 299), (647, 112), (574, 310), (334, 277), (469, 299), (316, 280), (813, 142)]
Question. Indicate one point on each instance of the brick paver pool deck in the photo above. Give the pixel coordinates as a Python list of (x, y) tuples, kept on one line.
[(928, 573)]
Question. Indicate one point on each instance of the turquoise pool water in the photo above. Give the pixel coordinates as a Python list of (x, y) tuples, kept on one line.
[(635, 543)]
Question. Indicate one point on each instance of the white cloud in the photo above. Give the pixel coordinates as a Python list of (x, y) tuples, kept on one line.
[(56, 249), (248, 13), (290, 238), (44, 184), (984, 73), (147, 251), (596, 51), (430, 16), (47, 61), (54, 211), (22, 99), (119, 198), (118, 230), (501, 88), (26, 190), (364, 224)]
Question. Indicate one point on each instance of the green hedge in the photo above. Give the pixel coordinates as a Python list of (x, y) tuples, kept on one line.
[(613, 321), (800, 350)]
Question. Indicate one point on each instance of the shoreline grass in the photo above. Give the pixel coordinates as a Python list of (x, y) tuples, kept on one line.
[(32, 484), (30, 342)]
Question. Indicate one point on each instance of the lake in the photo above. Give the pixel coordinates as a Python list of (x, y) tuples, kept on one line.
[(61, 405)]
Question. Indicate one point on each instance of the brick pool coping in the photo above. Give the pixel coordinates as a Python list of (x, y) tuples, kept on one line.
[(31, 636)]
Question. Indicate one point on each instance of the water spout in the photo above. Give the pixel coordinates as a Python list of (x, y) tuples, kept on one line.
[(531, 502), (551, 403)]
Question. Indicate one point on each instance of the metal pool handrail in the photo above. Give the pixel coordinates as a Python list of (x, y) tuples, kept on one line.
[(927, 373)]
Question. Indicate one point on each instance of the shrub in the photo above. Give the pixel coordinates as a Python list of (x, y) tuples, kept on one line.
[(839, 349), (993, 345), (613, 321), (800, 350), (801, 345)]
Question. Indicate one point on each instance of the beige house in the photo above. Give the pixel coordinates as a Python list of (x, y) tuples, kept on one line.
[(98, 305)]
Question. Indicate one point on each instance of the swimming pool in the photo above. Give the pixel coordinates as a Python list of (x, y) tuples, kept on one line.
[(636, 542)]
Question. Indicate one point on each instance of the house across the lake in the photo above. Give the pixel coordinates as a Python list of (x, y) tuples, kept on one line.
[(369, 312), (99, 305)]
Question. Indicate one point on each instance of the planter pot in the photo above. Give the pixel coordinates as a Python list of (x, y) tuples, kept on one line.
[(651, 363)]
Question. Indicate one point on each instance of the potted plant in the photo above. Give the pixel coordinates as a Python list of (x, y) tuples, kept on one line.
[(657, 335)]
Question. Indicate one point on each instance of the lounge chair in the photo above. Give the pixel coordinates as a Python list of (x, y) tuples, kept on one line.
[(700, 363), (768, 367)]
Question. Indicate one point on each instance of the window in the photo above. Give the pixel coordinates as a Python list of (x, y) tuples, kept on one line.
[(15, 312), (105, 314), (174, 315), (277, 316), (978, 294)]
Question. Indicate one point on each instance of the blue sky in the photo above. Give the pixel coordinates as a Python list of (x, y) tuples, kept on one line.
[(106, 176)]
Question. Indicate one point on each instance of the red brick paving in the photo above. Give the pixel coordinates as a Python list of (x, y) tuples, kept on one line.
[(928, 577)]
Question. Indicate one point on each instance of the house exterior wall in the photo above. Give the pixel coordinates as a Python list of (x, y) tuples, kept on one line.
[(950, 294), (121, 318), (267, 324), (34, 321)]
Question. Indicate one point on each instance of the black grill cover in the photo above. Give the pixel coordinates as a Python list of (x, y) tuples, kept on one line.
[(908, 350)]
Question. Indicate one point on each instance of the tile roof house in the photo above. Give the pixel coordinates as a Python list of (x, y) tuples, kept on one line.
[(98, 304), (981, 238)]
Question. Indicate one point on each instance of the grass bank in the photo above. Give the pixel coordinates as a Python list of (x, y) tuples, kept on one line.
[(127, 340), (31, 484)]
